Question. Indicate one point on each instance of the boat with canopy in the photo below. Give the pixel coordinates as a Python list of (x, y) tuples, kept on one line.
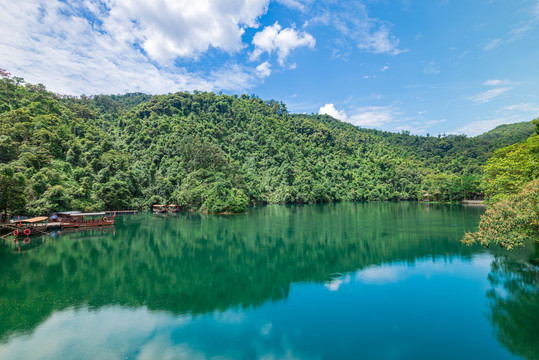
[(86, 219)]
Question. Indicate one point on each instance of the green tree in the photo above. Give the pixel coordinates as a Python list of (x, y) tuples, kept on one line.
[(114, 195), (12, 190), (510, 222)]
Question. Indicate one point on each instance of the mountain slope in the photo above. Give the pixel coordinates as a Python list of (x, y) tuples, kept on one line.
[(215, 153)]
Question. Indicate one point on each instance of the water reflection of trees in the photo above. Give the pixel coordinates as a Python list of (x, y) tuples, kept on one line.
[(514, 304), (197, 264)]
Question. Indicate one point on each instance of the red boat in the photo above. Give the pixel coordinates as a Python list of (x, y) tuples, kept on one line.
[(29, 227), (86, 219)]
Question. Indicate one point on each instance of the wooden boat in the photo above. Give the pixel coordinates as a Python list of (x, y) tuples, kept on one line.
[(29, 227), (86, 220), (159, 208), (173, 208)]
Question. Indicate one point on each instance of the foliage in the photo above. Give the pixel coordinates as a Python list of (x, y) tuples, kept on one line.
[(12, 190), (511, 168), (510, 222), (218, 153)]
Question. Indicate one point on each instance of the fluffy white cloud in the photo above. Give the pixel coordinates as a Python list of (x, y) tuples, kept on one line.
[(264, 69), (167, 29), (329, 109), (115, 46), (368, 116), (275, 38)]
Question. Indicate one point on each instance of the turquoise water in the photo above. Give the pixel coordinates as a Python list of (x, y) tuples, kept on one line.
[(337, 281)]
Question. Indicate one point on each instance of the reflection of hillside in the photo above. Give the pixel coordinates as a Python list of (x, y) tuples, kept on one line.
[(195, 263), (515, 310)]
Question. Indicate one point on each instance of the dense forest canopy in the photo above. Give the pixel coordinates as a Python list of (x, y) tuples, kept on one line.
[(216, 153)]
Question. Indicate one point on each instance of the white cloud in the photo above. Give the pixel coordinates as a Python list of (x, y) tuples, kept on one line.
[(275, 38), (493, 82), (380, 41), (518, 31), (264, 69), (524, 107), (492, 44), (368, 116), (294, 4), (434, 122), (488, 95), (125, 45), (384, 68), (352, 21), (329, 109), (373, 116), (169, 29), (505, 115), (479, 127)]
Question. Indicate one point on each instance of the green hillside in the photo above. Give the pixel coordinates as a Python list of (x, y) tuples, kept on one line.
[(214, 153)]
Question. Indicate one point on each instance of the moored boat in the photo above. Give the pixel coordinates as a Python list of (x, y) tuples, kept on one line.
[(159, 208), (29, 227), (85, 220)]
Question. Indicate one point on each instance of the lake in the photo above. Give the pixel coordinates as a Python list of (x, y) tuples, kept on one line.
[(335, 281)]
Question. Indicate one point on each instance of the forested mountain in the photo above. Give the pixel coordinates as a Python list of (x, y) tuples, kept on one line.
[(215, 153)]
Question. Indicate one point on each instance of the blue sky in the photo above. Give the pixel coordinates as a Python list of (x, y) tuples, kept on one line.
[(438, 66)]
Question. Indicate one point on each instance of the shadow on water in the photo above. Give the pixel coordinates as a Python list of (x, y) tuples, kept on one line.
[(191, 263)]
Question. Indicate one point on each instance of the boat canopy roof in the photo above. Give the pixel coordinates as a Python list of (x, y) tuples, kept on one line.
[(67, 212), (173, 205), (88, 214), (33, 220)]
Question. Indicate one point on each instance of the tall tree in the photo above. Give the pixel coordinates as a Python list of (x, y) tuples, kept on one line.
[(12, 190)]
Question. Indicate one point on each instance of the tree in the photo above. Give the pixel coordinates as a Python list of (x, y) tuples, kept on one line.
[(114, 195), (12, 190), (510, 222)]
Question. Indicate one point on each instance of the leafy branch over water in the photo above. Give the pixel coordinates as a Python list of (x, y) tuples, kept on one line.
[(510, 222)]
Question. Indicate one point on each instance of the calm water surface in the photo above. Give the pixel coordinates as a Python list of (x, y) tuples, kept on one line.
[(338, 281)]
